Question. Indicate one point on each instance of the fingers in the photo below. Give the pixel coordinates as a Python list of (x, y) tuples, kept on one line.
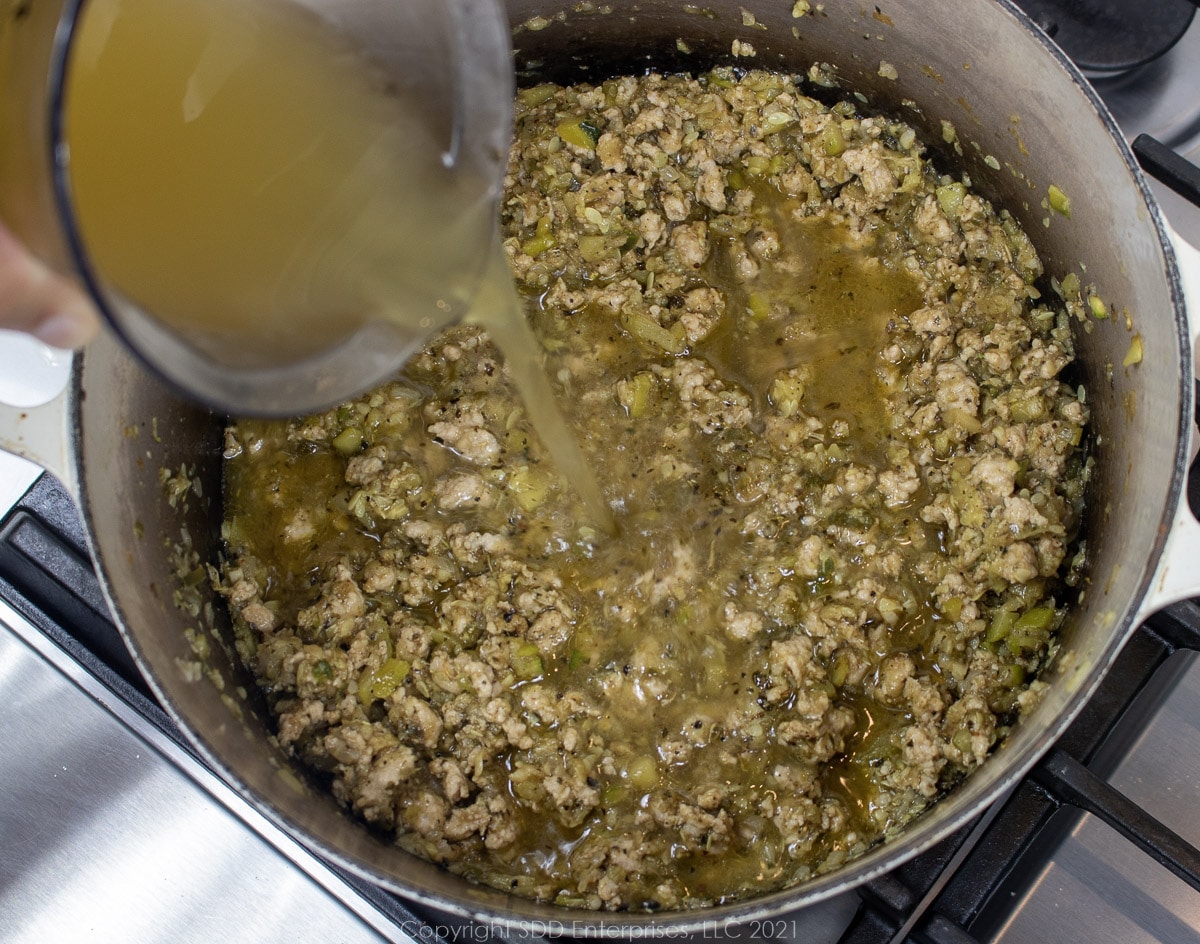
[(36, 299)]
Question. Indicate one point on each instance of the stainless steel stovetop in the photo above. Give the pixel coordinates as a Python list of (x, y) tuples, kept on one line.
[(112, 831)]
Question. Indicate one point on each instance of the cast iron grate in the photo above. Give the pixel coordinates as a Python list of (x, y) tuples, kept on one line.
[(1107, 36), (1179, 174)]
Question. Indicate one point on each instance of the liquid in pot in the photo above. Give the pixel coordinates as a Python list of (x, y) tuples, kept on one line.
[(824, 398)]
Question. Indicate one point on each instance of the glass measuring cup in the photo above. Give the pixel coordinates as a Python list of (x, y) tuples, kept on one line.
[(371, 280)]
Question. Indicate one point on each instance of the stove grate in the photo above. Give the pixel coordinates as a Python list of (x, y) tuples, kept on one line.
[(1176, 172), (1110, 36)]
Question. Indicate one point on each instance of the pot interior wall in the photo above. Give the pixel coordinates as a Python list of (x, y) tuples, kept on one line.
[(1022, 124)]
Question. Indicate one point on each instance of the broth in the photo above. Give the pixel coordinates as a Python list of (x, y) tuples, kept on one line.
[(241, 172)]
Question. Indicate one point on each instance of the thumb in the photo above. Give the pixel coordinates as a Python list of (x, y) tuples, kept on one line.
[(36, 299)]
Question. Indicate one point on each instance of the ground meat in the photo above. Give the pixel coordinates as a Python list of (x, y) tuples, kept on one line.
[(824, 404), (465, 431), (462, 489)]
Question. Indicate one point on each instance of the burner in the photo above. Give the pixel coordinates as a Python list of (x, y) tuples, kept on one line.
[(1106, 36)]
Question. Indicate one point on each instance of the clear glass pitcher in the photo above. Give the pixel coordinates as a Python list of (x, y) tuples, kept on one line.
[(450, 56)]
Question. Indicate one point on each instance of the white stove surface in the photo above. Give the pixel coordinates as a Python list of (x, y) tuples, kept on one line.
[(30, 374)]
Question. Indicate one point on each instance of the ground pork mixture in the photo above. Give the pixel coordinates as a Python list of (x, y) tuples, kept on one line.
[(825, 402)]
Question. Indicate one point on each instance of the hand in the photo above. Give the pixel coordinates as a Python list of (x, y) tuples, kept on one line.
[(37, 300)]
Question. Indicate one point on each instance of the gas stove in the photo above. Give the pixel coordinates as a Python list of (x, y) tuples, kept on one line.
[(113, 830)]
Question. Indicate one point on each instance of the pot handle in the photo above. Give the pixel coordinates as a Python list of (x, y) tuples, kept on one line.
[(1178, 575), (34, 411)]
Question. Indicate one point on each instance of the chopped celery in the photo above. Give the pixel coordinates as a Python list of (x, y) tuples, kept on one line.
[(378, 684), (348, 441), (542, 240), (634, 393), (526, 662), (579, 132), (1059, 201), (1134, 354), (950, 199)]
